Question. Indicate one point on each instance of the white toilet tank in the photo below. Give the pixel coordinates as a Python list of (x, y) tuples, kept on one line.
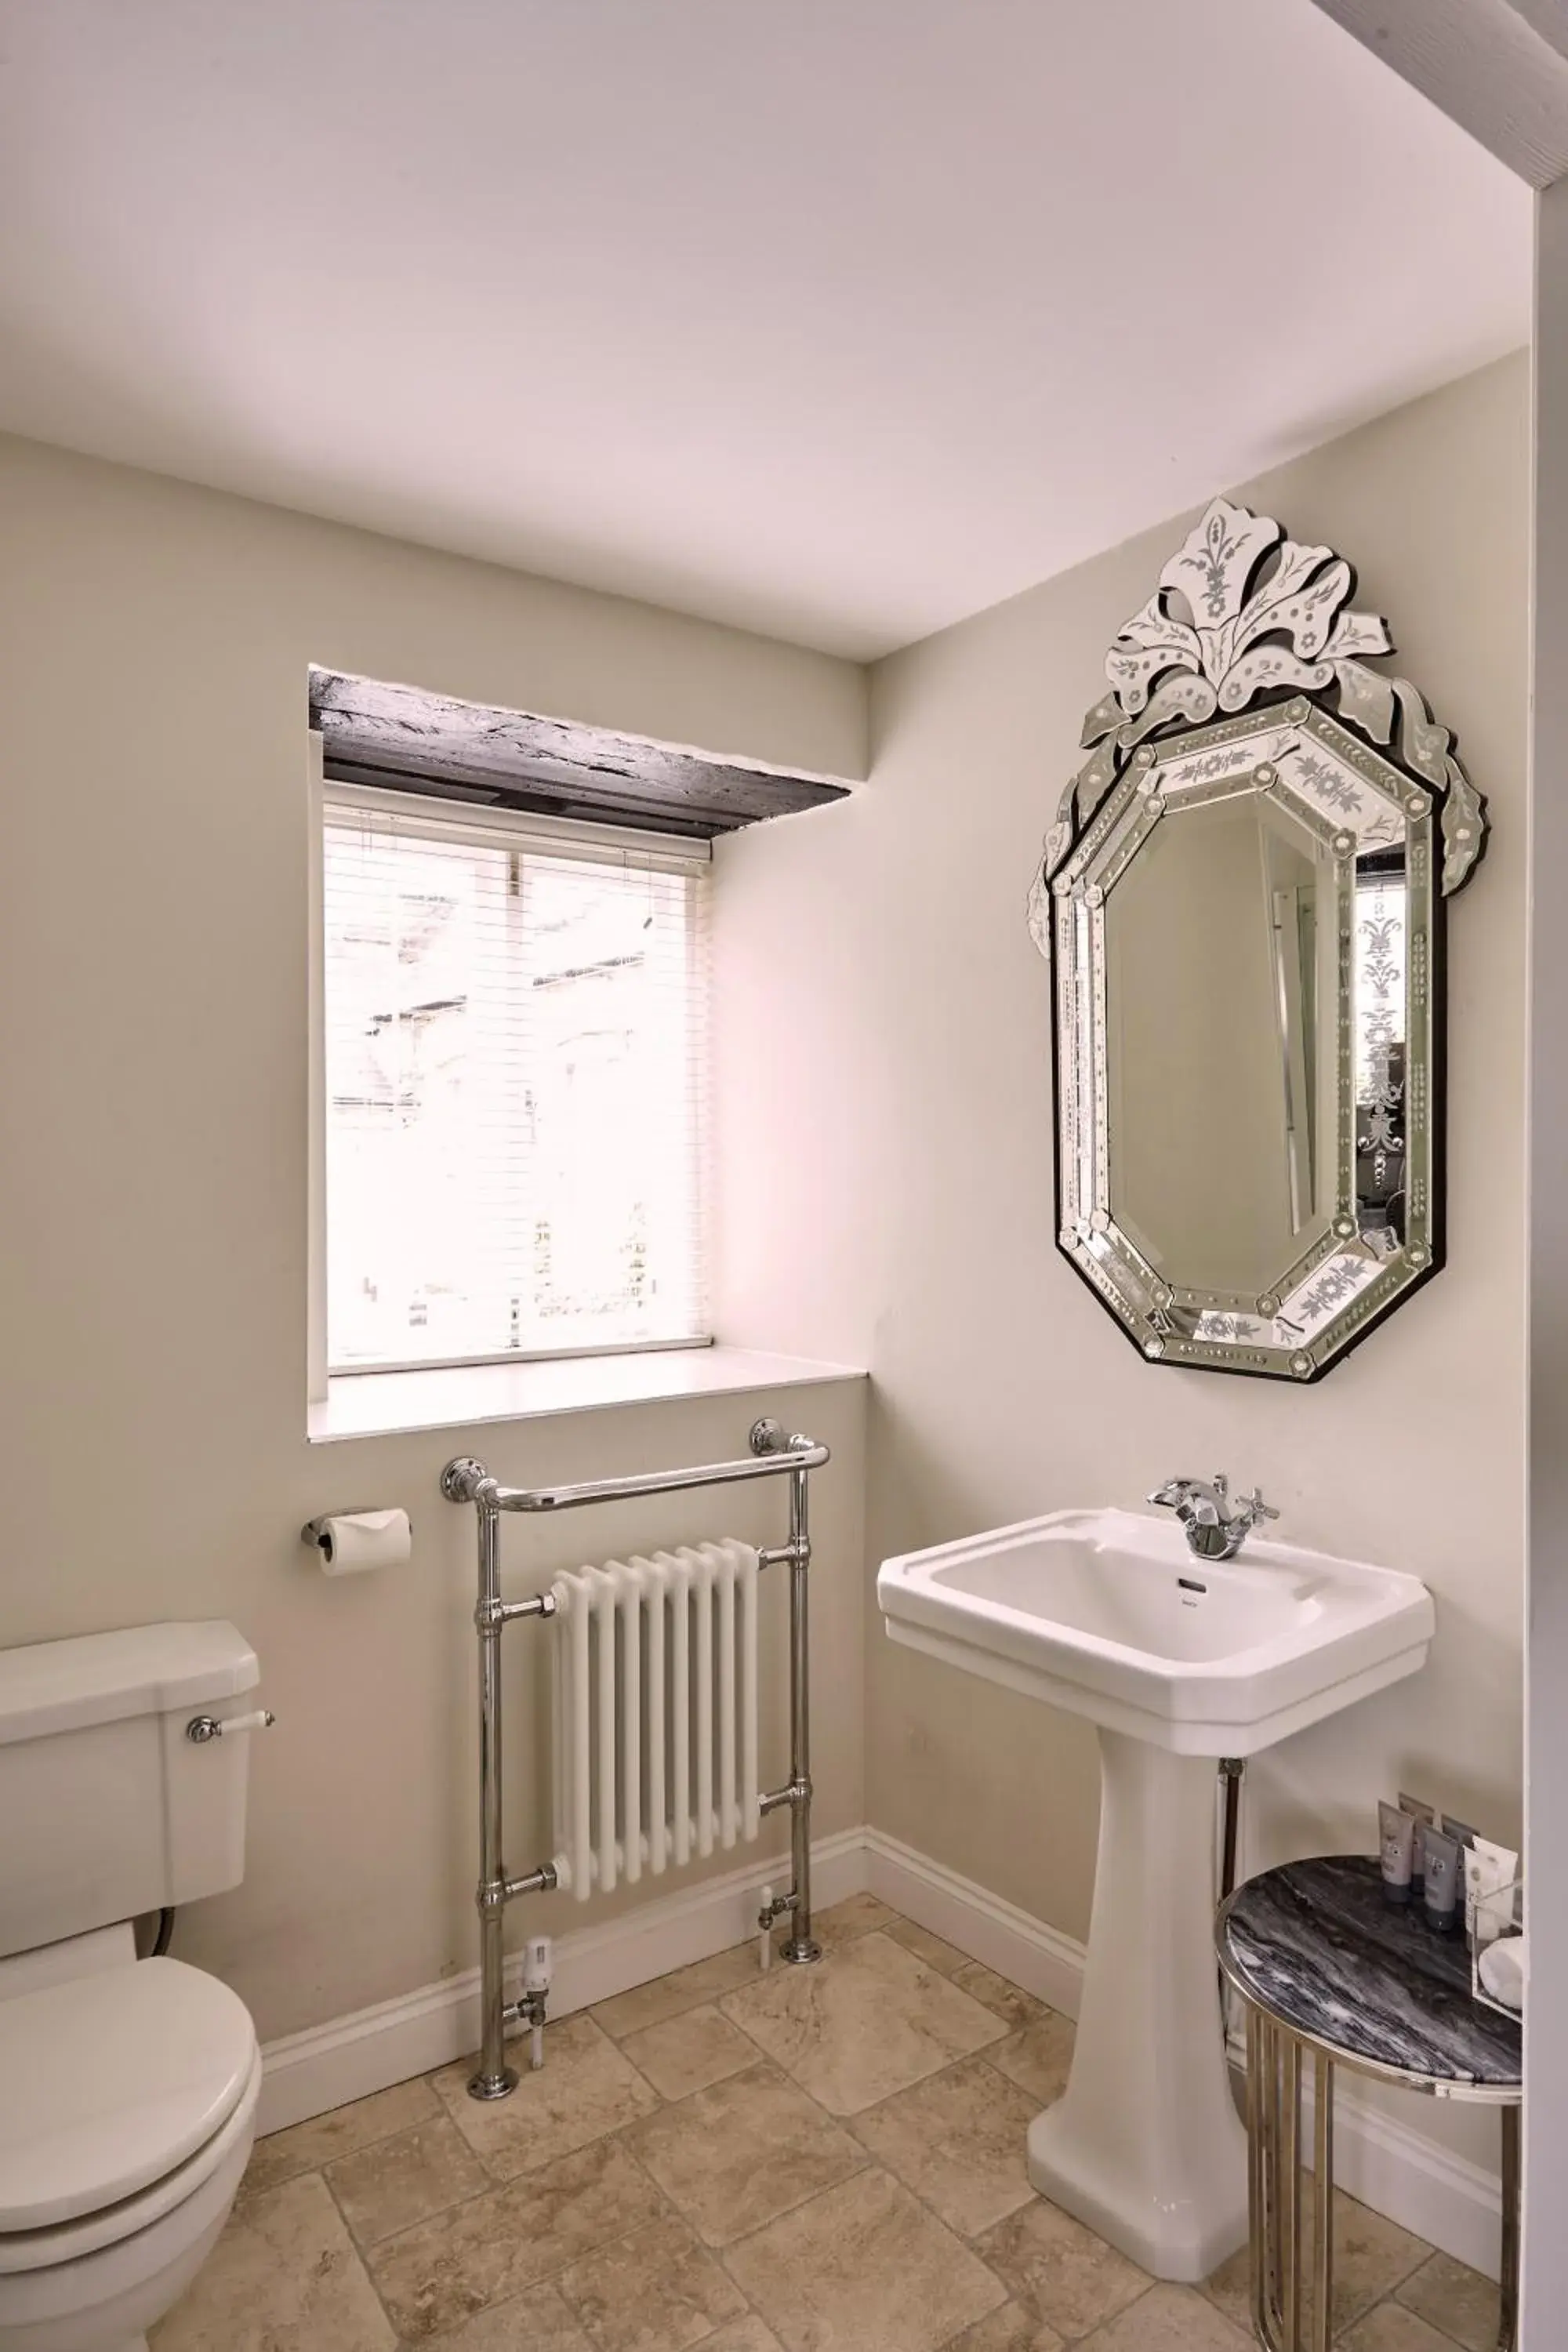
[(107, 1808)]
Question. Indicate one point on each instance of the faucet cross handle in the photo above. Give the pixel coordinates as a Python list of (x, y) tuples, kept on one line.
[(1214, 1525)]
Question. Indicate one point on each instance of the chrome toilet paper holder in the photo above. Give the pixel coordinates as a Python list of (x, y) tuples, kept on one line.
[(331, 1529)]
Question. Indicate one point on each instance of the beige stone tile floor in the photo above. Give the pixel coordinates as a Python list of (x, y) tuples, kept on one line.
[(809, 2160)]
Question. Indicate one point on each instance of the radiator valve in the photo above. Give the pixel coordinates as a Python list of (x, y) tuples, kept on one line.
[(774, 1908), (537, 1967)]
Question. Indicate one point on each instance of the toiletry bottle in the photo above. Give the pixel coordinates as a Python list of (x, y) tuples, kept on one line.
[(1441, 1892), (1425, 1818), (1396, 1846)]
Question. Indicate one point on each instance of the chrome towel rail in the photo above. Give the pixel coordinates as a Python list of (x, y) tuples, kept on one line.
[(466, 1480)]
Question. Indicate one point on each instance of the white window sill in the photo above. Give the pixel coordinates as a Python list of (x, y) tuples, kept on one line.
[(454, 1396)]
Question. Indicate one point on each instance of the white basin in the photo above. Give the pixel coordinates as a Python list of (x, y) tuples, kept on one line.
[(1179, 1661), (1109, 1615)]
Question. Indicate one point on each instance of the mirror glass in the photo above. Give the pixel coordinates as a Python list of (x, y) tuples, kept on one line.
[(1221, 1142)]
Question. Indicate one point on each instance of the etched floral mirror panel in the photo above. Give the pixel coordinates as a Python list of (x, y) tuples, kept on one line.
[(1244, 917)]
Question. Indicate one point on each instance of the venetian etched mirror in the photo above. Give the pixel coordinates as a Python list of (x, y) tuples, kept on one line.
[(1242, 898)]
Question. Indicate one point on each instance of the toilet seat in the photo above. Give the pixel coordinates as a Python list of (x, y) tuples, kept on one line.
[(61, 2242), (119, 2088)]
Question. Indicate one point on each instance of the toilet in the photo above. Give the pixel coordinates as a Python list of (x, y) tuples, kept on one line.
[(127, 2086)]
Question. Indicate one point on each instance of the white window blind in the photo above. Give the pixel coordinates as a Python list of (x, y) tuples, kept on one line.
[(515, 1079)]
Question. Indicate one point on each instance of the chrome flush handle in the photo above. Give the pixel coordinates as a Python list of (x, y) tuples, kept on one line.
[(203, 1727)]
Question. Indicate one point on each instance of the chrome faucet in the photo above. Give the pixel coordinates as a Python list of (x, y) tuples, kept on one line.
[(1214, 1530)]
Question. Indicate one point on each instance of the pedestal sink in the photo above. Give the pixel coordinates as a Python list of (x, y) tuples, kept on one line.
[(1179, 1661)]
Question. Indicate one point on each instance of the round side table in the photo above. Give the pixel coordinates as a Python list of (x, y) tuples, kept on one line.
[(1324, 1966)]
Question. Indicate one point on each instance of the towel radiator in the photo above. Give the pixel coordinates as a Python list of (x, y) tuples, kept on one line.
[(772, 1453)]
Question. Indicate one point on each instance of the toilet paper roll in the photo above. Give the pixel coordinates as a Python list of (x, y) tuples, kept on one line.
[(350, 1541)]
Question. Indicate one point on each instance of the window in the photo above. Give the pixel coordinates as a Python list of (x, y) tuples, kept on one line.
[(515, 1040)]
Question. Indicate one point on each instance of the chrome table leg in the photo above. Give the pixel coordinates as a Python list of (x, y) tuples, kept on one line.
[(1257, 2182), (1323, 2184), (1508, 2315), (1273, 2295), (1276, 2235), (1290, 2195)]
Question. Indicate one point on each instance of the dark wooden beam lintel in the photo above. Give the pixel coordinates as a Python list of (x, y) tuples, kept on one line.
[(521, 801), (407, 739)]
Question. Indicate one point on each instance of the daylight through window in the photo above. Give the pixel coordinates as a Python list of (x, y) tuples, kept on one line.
[(515, 1089)]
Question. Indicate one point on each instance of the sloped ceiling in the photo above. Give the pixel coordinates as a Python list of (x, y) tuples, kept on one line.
[(838, 319)]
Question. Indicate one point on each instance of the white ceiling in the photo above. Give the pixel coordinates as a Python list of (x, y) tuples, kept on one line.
[(838, 318)]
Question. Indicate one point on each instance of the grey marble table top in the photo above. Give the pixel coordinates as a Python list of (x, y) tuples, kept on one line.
[(1315, 1946)]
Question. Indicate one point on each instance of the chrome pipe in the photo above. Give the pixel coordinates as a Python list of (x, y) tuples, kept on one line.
[(802, 1945), (543, 1604), (495, 2078), (505, 1613), (542, 1881), (1231, 1771)]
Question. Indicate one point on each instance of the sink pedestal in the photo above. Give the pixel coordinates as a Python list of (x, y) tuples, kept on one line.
[(1146, 2145)]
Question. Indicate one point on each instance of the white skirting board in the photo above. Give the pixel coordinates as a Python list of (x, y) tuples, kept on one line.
[(1398, 2171), (305, 2073), (1018, 1946)]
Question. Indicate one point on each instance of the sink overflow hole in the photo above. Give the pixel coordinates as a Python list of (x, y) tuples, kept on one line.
[(1191, 1584)]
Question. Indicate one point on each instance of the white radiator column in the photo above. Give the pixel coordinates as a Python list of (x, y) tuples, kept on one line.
[(654, 1713)]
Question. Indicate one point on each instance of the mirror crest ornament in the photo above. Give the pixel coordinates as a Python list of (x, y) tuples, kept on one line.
[(1242, 897)]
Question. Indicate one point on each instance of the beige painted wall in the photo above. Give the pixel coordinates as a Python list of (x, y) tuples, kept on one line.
[(153, 646), (886, 940)]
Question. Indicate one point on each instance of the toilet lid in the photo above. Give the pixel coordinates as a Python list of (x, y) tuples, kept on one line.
[(110, 2081)]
